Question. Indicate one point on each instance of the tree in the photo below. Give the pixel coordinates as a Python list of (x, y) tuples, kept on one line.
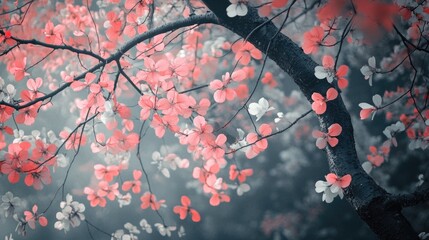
[(124, 67)]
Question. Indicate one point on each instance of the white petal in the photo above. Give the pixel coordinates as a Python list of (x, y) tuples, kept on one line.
[(254, 108), (371, 62), (230, 10), (321, 186), (107, 24), (366, 71), (165, 172), (367, 167), (69, 198), (259, 115), (341, 193), (263, 103), (334, 188), (373, 115), (240, 133), (59, 216), (156, 156), (329, 196), (241, 9), (10, 89), (320, 72), (78, 33), (366, 106), (242, 189), (376, 99)]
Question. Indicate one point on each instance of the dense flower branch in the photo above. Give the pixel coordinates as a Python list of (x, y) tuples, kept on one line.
[(196, 19)]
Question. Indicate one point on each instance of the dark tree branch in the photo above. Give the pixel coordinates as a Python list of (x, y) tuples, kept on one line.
[(411, 199), (17, 8), (55, 47), (419, 196), (193, 20)]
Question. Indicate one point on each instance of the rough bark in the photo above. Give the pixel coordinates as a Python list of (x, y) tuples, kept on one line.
[(367, 198)]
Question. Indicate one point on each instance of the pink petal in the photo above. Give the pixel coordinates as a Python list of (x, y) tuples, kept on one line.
[(43, 221), (321, 143), (319, 107), (328, 62), (331, 178), (265, 129), (318, 134), (332, 141), (345, 181), (331, 94), (365, 113), (317, 97), (342, 71), (185, 201), (238, 75), (195, 215), (334, 130), (219, 96)]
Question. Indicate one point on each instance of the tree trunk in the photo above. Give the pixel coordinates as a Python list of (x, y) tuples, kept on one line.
[(364, 195)]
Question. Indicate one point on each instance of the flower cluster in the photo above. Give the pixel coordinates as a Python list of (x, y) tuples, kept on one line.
[(333, 186), (9, 204), (70, 215)]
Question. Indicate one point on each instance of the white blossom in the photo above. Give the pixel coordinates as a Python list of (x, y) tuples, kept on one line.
[(70, 215), (279, 117), (369, 70), (102, 4), (108, 114), (124, 200), (132, 232), (259, 109), (321, 72), (419, 143), (20, 227), (164, 230), (18, 135), (243, 188), (421, 179), (330, 191), (424, 235), (237, 8), (166, 161), (145, 226), (392, 130), (289, 117), (8, 238), (240, 142), (7, 92), (117, 235), (181, 232), (62, 161), (53, 138), (9, 204)]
